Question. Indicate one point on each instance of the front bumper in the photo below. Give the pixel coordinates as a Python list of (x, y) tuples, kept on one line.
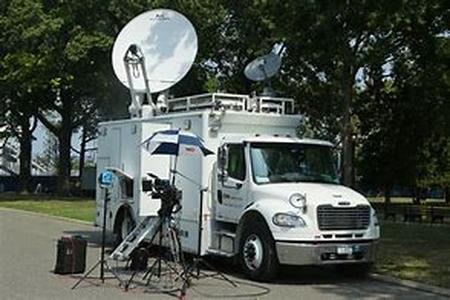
[(305, 253)]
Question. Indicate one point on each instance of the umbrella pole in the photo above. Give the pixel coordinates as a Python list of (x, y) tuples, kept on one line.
[(175, 169)]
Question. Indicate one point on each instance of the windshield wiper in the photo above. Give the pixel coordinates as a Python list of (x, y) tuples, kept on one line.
[(317, 180)]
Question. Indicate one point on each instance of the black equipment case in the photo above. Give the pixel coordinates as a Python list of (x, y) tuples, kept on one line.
[(71, 255)]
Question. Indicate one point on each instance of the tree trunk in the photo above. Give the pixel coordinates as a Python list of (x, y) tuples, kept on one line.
[(387, 198), (82, 152), (387, 194), (417, 196), (64, 162), (447, 195), (347, 132), (25, 155)]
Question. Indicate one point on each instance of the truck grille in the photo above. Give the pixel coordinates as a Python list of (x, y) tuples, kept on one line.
[(343, 218)]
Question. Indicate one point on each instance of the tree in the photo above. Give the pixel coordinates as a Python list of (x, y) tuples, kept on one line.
[(26, 27), (330, 45), (88, 131), (78, 47), (434, 154), (404, 119)]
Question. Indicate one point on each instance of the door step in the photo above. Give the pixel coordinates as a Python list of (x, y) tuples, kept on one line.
[(224, 241), (225, 233), (218, 252)]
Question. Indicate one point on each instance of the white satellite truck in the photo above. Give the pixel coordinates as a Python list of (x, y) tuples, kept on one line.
[(271, 198), (268, 197)]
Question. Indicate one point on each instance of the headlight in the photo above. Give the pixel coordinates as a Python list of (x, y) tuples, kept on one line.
[(288, 220), (298, 200), (375, 218)]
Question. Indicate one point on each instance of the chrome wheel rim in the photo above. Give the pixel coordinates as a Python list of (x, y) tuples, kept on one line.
[(253, 252)]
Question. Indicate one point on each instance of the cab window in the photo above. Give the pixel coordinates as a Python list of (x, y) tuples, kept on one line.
[(236, 161)]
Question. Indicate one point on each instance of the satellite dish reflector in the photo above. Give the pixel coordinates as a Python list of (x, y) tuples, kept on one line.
[(168, 43), (263, 67)]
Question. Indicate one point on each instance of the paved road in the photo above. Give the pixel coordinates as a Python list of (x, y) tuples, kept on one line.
[(28, 251)]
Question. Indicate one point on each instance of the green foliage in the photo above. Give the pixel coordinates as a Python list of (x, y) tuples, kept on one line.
[(357, 68), (405, 118)]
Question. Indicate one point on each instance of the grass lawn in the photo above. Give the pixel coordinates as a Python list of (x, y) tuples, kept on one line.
[(419, 252), (69, 208)]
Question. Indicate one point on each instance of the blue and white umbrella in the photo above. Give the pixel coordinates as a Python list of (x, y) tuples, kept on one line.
[(175, 142)]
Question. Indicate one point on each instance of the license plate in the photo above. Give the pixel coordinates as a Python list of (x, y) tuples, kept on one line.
[(341, 250)]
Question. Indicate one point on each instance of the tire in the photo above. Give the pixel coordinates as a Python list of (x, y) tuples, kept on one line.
[(124, 226), (257, 255)]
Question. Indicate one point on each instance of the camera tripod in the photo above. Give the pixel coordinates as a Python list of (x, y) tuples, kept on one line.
[(102, 262), (167, 229), (193, 271), (171, 259)]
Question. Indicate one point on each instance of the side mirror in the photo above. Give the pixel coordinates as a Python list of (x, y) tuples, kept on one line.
[(222, 162), (337, 158)]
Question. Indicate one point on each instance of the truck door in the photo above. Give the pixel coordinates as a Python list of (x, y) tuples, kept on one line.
[(232, 184)]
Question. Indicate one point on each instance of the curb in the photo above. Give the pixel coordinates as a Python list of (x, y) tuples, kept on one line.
[(48, 216), (412, 284)]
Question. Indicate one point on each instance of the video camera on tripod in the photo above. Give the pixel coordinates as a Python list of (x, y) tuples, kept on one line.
[(162, 189)]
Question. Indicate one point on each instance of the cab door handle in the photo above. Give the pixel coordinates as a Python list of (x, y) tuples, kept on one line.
[(219, 196)]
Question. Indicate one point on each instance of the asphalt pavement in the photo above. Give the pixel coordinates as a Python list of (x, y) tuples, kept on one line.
[(28, 256)]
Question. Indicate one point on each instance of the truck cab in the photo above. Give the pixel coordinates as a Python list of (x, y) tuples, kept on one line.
[(284, 196)]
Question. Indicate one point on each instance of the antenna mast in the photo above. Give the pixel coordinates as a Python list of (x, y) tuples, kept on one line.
[(134, 59)]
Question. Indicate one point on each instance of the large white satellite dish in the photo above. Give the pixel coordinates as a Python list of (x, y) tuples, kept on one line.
[(168, 43)]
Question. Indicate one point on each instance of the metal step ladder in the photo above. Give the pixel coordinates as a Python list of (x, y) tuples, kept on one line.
[(148, 227)]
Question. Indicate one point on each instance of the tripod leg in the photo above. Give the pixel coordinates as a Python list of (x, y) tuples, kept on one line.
[(209, 266), (87, 274), (177, 253), (127, 284), (121, 282), (150, 271), (197, 262)]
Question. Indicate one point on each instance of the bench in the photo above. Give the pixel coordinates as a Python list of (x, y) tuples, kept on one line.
[(416, 213), (390, 212), (438, 214), (412, 213)]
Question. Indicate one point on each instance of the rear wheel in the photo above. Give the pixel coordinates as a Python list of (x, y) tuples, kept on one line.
[(124, 226), (257, 253)]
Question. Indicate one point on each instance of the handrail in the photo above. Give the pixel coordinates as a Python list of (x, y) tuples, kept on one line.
[(235, 102)]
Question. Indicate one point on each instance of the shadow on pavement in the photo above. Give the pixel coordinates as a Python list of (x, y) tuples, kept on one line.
[(326, 280), (291, 275)]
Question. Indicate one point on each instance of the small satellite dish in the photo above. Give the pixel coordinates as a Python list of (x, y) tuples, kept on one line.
[(167, 43), (263, 67)]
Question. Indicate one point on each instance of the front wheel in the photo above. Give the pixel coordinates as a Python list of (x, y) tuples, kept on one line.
[(257, 253)]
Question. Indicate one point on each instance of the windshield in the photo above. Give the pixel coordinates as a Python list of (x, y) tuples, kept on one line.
[(292, 162)]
